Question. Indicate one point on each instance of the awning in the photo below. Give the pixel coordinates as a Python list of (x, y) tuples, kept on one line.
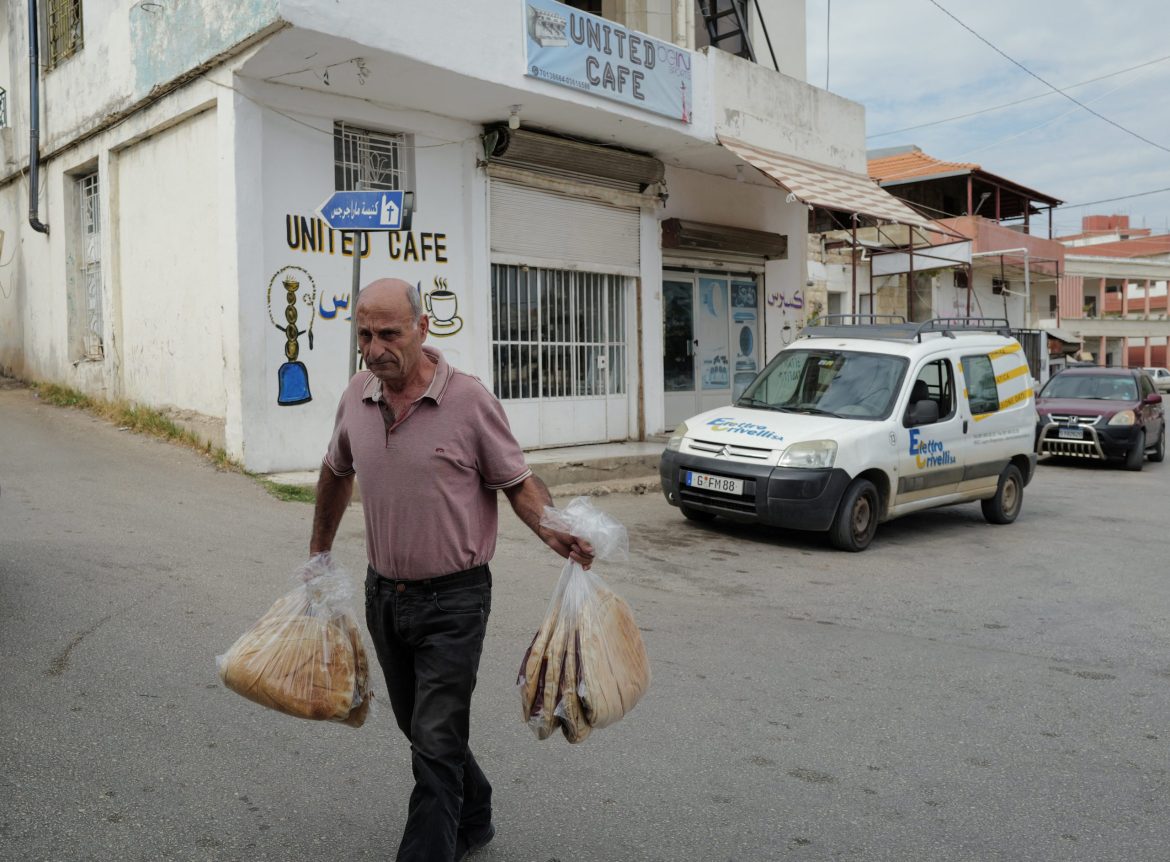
[(1063, 335), (825, 186)]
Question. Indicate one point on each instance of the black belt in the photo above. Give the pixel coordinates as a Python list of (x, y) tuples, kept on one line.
[(473, 577)]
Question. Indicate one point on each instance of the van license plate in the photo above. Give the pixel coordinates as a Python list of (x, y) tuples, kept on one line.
[(1071, 434), (720, 484)]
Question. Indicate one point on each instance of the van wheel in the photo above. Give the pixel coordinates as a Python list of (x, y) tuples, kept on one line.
[(857, 517), (1159, 453), (1135, 457), (696, 515), (1009, 496)]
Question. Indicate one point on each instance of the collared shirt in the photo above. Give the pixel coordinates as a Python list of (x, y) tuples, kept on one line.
[(429, 479)]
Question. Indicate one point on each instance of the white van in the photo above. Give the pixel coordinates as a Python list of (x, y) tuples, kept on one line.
[(856, 423)]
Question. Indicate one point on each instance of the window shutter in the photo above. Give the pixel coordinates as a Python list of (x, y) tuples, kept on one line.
[(541, 226)]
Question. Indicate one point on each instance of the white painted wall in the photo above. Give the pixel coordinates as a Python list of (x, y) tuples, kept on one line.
[(702, 197), (7, 52), (784, 21), (167, 229), (129, 49), (784, 114), (837, 278), (296, 146)]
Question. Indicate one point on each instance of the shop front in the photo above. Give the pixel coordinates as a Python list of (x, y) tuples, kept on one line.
[(566, 224), (712, 312)]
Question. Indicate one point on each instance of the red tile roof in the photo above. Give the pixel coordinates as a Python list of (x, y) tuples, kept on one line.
[(914, 164), (1146, 246)]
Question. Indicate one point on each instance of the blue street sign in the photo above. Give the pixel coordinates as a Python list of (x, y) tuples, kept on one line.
[(377, 210)]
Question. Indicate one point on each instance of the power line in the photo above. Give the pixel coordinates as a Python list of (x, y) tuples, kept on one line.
[(1045, 82), (1017, 101), (1111, 200)]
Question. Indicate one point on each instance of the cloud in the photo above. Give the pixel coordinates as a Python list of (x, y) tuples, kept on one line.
[(909, 63)]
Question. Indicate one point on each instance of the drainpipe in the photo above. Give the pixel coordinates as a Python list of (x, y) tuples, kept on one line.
[(34, 110), (680, 23), (1027, 279)]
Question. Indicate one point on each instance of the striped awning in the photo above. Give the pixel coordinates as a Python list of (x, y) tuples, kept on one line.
[(825, 186)]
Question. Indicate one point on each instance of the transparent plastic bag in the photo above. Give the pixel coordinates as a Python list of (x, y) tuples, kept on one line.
[(305, 656), (586, 666)]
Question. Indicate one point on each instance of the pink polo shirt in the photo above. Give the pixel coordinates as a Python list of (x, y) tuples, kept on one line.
[(428, 484)]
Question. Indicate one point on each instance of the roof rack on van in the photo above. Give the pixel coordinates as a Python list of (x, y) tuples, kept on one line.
[(893, 327)]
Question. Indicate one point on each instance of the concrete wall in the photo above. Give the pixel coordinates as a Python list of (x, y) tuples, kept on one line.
[(280, 228), (783, 113), (165, 163), (166, 225), (130, 48), (702, 197), (785, 24)]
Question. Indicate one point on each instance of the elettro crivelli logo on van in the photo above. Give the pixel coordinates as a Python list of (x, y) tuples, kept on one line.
[(750, 429), (929, 453)]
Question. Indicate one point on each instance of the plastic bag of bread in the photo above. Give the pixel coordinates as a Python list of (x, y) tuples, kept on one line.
[(305, 656), (586, 666)]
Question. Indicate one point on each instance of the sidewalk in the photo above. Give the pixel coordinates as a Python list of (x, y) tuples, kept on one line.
[(593, 470)]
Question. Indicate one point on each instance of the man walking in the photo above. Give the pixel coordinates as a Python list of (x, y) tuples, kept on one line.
[(432, 446)]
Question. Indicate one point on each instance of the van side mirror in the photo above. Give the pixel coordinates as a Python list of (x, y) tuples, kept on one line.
[(1153, 398), (922, 413)]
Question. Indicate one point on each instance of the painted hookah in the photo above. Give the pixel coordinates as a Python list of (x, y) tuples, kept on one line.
[(292, 377)]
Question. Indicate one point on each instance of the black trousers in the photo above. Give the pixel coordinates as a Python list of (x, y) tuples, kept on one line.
[(429, 637)]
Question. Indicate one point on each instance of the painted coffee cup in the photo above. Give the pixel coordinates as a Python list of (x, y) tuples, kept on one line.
[(442, 305)]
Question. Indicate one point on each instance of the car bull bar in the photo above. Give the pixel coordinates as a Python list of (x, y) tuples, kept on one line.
[(1052, 442)]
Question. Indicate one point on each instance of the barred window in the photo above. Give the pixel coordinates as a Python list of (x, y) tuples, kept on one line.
[(366, 160), (557, 333), (90, 262), (65, 37)]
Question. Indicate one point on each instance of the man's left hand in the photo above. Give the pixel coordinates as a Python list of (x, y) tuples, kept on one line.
[(568, 546)]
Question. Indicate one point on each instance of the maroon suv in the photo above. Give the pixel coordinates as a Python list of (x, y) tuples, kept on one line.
[(1101, 413)]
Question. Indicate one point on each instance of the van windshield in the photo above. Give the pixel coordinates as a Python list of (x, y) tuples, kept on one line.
[(840, 383)]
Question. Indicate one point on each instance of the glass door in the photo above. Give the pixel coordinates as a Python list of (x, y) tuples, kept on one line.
[(711, 341), (678, 336)]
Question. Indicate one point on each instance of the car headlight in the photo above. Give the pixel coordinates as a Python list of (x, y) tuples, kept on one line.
[(1123, 417), (675, 441), (815, 454)]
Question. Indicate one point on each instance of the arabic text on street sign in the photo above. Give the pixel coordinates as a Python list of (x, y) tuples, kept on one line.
[(365, 210)]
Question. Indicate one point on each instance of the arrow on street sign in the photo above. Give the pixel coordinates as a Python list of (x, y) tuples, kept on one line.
[(368, 210)]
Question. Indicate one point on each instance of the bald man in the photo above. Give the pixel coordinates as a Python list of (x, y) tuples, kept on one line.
[(432, 446)]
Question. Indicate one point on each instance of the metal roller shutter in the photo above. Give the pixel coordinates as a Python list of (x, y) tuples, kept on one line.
[(533, 225)]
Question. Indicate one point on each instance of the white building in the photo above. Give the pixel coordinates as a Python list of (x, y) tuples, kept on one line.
[(590, 230)]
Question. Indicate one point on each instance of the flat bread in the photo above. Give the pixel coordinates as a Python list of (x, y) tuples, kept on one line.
[(543, 719), (530, 677), (307, 666), (361, 685), (569, 711), (614, 670)]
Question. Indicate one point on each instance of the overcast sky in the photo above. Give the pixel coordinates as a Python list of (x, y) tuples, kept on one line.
[(909, 63)]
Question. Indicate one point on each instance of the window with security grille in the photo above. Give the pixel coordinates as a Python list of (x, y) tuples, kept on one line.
[(90, 260), (557, 333), (64, 30), (366, 160)]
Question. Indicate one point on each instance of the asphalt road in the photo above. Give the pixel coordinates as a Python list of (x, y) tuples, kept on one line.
[(957, 692)]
